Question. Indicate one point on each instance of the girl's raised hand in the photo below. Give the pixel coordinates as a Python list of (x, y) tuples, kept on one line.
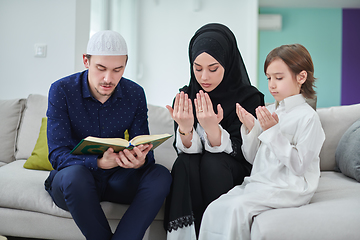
[(245, 117), (182, 112), (266, 119)]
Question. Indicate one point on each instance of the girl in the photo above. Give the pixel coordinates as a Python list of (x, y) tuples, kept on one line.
[(283, 144), (208, 142)]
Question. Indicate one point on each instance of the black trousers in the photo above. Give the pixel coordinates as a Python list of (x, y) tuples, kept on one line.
[(199, 179)]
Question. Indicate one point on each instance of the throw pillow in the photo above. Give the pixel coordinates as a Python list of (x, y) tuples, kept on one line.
[(10, 114), (347, 155), (35, 109), (39, 157)]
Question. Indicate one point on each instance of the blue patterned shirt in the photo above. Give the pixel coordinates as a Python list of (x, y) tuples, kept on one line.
[(73, 114)]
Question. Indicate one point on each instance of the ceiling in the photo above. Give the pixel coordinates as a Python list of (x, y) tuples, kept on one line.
[(310, 3)]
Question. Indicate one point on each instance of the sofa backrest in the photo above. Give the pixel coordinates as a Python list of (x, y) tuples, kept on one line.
[(21, 120), (335, 121), (160, 122)]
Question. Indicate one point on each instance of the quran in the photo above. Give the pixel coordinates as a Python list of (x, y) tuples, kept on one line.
[(96, 145)]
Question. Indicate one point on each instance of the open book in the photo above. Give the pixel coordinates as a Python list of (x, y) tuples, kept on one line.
[(96, 145)]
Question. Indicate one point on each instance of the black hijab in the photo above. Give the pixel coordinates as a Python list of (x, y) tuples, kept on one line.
[(218, 41)]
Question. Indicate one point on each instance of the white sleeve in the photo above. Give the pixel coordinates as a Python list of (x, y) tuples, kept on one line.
[(296, 156), (225, 146), (196, 146), (250, 141)]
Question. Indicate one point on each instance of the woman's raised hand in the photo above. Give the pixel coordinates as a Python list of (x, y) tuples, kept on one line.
[(205, 114), (182, 112), (245, 117)]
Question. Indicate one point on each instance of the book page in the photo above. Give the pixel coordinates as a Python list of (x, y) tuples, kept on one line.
[(142, 139), (112, 141), (96, 145)]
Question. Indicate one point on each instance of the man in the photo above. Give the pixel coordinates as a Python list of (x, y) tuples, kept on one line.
[(100, 102)]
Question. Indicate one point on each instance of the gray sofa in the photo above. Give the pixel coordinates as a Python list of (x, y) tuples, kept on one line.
[(26, 209)]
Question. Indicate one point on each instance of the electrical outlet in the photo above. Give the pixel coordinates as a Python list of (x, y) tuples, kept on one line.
[(40, 50)]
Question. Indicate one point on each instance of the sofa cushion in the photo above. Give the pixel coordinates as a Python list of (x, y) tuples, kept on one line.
[(160, 122), (332, 214), (10, 120), (335, 121), (35, 110), (24, 189), (347, 154), (39, 157)]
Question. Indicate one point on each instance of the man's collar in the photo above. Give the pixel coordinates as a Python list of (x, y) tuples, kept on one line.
[(117, 92), (85, 85)]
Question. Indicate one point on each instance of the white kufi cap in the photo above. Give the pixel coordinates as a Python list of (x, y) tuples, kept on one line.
[(108, 43)]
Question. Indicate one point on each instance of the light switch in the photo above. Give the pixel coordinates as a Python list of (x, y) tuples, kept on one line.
[(40, 50)]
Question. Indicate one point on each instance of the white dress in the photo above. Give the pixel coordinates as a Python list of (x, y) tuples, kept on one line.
[(285, 171)]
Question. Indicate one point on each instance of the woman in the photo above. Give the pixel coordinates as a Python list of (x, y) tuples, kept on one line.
[(207, 136)]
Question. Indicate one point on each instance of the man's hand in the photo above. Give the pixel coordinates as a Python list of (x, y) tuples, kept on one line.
[(108, 159), (134, 158)]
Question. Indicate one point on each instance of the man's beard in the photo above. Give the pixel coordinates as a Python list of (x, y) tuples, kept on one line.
[(105, 94)]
